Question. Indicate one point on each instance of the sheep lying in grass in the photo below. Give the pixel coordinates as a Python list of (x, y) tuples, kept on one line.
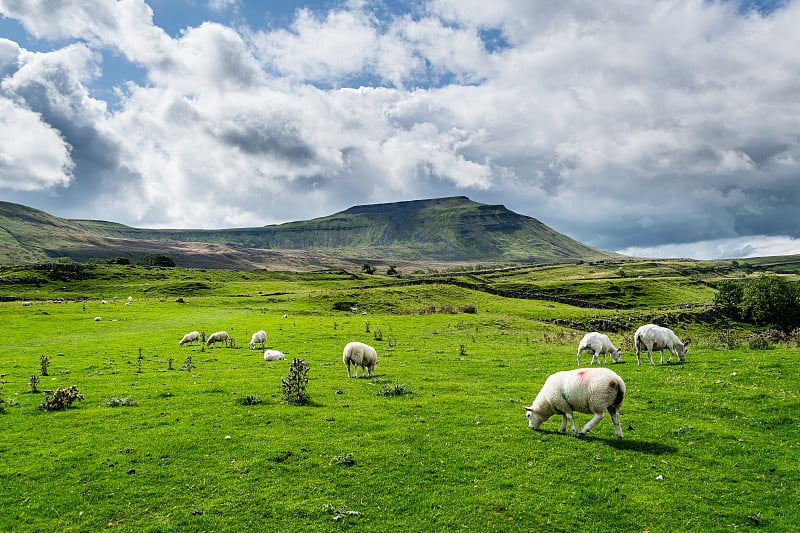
[(652, 337), (259, 337), (219, 336), (361, 355), (598, 343), (194, 336), (585, 390), (273, 355)]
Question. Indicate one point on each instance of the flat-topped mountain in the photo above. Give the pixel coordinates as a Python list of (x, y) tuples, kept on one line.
[(454, 229)]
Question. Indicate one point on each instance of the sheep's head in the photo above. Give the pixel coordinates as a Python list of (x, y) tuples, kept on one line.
[(534, 420), (683, 349), (616, 355)]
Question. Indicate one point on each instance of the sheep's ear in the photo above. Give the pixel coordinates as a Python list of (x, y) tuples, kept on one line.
[(686, 342), (527, 408)]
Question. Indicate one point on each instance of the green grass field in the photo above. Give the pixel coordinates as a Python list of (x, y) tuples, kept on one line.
[(711, 444)]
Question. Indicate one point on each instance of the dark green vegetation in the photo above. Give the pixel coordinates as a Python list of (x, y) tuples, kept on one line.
[(439, 230), (170, 438)]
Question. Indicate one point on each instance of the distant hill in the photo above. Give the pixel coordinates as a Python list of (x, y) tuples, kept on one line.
[(444, 230)]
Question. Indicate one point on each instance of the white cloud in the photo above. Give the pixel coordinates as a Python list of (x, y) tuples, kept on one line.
[(32, 155), (736, 248)]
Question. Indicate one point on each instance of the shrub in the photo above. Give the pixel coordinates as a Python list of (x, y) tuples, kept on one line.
[(758, 342), (44, 362), (34, 383), (156, 260), (294, 385), (60, 399), (468, 308)]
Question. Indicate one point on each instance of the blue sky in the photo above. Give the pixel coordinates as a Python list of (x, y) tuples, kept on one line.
[(659, 128)]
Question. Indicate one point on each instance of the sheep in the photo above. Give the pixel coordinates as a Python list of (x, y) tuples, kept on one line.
[(598, 343), (26, 304), (361, 355), (259, 337), (191, 337), (653, 337), (273, 355), (219, 336), (585, 390)]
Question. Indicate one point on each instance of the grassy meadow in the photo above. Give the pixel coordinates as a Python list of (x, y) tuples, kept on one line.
[(711, 444)]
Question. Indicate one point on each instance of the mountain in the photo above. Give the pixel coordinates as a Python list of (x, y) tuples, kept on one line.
[(443, 230)]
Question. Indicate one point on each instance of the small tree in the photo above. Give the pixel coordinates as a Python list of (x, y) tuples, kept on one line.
[(729, 295), (156, 260), (391, 271), (294, 385), (771, 300), (367, 268)]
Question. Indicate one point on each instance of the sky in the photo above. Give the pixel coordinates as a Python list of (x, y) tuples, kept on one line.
[(658, 128)]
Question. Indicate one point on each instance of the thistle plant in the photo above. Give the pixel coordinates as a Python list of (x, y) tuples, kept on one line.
[(61, 398), (294, 385), (44, 362), (188, 365), (34, 383)]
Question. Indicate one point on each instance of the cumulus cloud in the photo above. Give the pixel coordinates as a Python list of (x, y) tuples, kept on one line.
[(627, 125)]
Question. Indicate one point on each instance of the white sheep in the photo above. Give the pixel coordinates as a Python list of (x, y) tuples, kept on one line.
[(273, 355), (652, 337), (219, 336), (598, 343), (259, 337), (194, 336), (361, 355), (585, 390)]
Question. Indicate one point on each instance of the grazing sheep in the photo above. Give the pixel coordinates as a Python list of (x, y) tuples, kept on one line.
[(273, 355), (26, 304), (194, 336), (652, 337), (361, 355), (97, 319), (259, 337), (598, 343), (585, 390), (219, 336)]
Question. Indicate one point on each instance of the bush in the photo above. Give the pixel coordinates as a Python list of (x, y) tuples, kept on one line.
[(60, 399), (468, 308), (156, 260), (771, 300)]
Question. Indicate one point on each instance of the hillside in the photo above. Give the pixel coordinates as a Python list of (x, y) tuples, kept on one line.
[(441, 230)]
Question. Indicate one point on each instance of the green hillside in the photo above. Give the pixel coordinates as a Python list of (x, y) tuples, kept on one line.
[(446, 230)]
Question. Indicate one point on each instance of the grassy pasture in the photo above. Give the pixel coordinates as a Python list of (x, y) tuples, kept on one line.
[(710, 444)]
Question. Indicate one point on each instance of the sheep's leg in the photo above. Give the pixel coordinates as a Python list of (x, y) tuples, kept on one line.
[(568, 416), (579, 356), (596, 358), (650, 356), (615, 418), (563, 424), (348, 369), (662, 357), (592, 423), (638, 361), (671, 353)]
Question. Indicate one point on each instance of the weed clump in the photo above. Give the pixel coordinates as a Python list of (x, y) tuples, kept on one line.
[(116, 401), (345, 459), (61, 398), (44, 362), (250, 399), (294, 385), (188, 365), (34, 383), (394, 390)]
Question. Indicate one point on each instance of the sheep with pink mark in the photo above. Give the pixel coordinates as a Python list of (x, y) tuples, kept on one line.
[(598, 343), (360, 355), (585, 390)]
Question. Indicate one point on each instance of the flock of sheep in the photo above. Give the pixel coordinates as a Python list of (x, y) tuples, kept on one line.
[(584, 390), (597, 390)]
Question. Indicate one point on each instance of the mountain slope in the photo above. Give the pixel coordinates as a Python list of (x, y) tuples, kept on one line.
[(443, 229)]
